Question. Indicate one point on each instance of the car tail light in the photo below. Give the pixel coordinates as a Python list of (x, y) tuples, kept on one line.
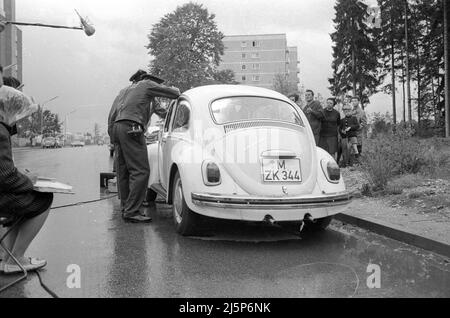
[(211, 174), (331, 170)]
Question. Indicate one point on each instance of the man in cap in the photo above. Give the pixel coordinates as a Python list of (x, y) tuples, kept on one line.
[(118, 101), (133, 169)]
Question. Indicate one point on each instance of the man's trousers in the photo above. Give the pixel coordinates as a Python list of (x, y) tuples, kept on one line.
[(133, 169)]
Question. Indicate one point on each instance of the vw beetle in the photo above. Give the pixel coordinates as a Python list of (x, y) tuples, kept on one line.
[(242, 153)]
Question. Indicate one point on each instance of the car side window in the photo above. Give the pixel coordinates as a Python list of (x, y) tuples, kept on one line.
[(182, 117), (169, 116)]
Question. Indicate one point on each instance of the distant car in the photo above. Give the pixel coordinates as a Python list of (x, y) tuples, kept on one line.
[(77, 143), (49, 142), (100, 143), (242, 153), (59, 143)]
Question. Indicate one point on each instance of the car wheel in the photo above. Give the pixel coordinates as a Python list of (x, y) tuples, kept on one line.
[(151, 195), (320, 224), (186, 221)]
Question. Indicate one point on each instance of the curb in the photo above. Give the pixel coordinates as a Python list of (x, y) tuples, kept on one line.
[(396, 234)]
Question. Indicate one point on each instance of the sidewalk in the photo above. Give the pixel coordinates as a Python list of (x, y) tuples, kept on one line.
[(408, 225)]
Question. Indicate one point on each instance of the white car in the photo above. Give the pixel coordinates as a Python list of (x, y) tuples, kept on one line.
[(77, 143), (242, 153)]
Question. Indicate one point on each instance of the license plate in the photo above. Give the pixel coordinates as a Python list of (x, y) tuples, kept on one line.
[(281, 170)]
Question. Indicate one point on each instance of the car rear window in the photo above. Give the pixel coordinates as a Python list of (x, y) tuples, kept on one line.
[(236, 109)]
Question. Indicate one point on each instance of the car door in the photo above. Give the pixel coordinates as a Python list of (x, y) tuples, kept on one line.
[(177, 131), (163, 147)]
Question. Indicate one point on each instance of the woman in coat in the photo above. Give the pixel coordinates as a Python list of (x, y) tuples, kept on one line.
[(18, 200), (330, 129)]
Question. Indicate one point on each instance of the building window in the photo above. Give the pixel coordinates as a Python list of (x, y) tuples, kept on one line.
[(255, 55), (243, 44), (256, 66), (244, 78), (244, 55), (243, 67), (256, 78), (256, 44)]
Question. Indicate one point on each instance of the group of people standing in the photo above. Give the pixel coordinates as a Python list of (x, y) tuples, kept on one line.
[(340, 134)]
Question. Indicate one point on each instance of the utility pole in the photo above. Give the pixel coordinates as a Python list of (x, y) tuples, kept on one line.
[(447, 69), (408, 73)]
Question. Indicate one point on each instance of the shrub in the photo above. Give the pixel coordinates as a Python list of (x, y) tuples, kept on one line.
[(380, 124), (398, 153), (377, 163)]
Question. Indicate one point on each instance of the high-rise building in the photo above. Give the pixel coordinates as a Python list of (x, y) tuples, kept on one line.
[(10, 41), (257, 59)]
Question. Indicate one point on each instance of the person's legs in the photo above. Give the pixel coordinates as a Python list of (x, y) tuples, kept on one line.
[(359, 144), (24, 235), (8, 242), (332, 143), (323, 143), (355, 149), (123, 176), (136, 157), (339, 152), (345, 151)]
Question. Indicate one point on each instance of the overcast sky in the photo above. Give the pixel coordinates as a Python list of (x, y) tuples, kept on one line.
[(87, 72)]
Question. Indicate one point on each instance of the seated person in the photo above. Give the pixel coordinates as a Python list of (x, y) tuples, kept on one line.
[(18, 200)]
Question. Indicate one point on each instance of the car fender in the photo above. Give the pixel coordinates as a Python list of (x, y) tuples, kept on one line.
[(152, 151), (325, 186), (188, 161), (185, 161)]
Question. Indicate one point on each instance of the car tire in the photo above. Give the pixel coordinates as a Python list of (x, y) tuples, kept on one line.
[(320, 224), (151, 195), (186, 221)]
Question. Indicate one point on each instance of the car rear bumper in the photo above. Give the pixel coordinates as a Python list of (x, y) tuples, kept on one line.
[(279, 203)]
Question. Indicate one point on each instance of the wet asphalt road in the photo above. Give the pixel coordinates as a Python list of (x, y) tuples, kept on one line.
[(236, 260)]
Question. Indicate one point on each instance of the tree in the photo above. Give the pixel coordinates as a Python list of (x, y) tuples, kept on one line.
[(30, 126), (391, 43), (51, 123), (282, 85), (186, 46), (221, 77), (355, 58), (419, 57), (46, 123), (446, 9)]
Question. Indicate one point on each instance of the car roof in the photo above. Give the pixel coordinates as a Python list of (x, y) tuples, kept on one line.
[(212, 92)]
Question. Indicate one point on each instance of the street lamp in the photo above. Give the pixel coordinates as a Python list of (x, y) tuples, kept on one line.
[(66, 120), (85, 26)]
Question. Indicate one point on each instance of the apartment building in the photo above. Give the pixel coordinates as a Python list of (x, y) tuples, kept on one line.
[(256, 59)]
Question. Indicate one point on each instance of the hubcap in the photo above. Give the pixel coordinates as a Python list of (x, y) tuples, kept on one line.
[(178, 202)]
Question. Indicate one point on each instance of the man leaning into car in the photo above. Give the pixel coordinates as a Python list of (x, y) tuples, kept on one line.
[(118, 102), (133, 169)]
